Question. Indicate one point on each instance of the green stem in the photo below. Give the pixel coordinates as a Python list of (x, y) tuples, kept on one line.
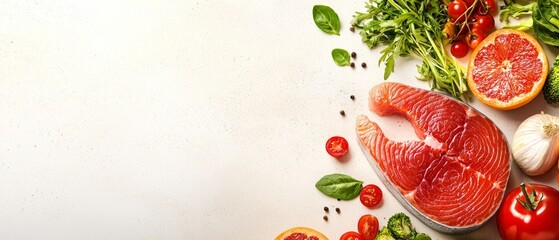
[(395, 5), (527, 197), (531, 200)]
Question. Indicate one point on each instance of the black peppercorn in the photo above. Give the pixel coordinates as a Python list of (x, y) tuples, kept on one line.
[(352, 64), (325, 218), (342, 112), (338, 210), (326, 209), (364, 65), (353, 55), (352, 97)]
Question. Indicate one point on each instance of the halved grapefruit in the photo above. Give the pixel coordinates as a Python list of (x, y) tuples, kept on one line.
[(301, 233), (507, 70)]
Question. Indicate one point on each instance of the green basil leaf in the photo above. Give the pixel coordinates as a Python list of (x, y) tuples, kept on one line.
[(326, 19), (340, 56), (339, 186)]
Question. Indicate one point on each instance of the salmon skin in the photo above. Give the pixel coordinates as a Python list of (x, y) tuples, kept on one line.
[(454, 178)]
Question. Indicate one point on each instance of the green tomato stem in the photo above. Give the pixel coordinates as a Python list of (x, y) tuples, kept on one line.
[(530, 202)]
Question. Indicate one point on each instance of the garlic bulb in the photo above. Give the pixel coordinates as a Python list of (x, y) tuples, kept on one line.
[(535, 145)]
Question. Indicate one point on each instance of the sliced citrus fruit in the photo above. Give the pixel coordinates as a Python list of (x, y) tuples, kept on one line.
[(301, 233), (507, 70)]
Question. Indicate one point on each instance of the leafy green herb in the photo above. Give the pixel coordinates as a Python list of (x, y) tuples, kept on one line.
[(412, 28), (544, 18), (326, 19), (339, 186), (340, 56)]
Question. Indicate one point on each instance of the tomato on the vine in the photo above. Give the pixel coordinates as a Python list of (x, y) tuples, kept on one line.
[(370, 195), (485, 23), (337, 146), (457, 11), (529, 213), (368, 226), (487, 7), (469, 2), (474, 37), (352, 236), (459, 49)]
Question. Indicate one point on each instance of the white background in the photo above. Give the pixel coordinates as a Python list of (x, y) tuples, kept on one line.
[(187, 120)]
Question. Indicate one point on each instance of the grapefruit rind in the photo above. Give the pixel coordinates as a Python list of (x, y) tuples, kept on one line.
[(305, 230), (516, 101)]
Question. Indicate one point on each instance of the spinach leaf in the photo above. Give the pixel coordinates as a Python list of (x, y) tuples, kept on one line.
[(340, 56), (339, 186), (326, 19), (545, 31), (544, 20)]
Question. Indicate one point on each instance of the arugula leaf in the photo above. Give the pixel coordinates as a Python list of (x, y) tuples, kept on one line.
[(326, 19), (340, 56), (389, 67), (339, 186), (412, 28)]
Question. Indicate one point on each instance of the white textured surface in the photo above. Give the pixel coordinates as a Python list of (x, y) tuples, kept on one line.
[(186, 120)]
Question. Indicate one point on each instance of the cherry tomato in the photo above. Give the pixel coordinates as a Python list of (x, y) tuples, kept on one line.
[(457, 11), (368, 226), (351, 236), (475, 37), (485, 23), (515, 221), (485, 7), (370, 195), (469, 2), (337, 146), (459, 49)]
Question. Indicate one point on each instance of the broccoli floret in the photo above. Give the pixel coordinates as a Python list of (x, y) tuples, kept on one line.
[(551, 86), (384, 234), (422, 236), (400, 227)]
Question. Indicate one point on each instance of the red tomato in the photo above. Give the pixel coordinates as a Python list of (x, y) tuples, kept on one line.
[(459, 49), (469, 2), (368, 226), (337, 146), (475, 37), (457, 11), (517, 222), (485, 23), (487, 7), (351, 236), (370, 195)]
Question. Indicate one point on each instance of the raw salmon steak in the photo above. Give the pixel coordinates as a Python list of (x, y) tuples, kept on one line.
[(454, 177)]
